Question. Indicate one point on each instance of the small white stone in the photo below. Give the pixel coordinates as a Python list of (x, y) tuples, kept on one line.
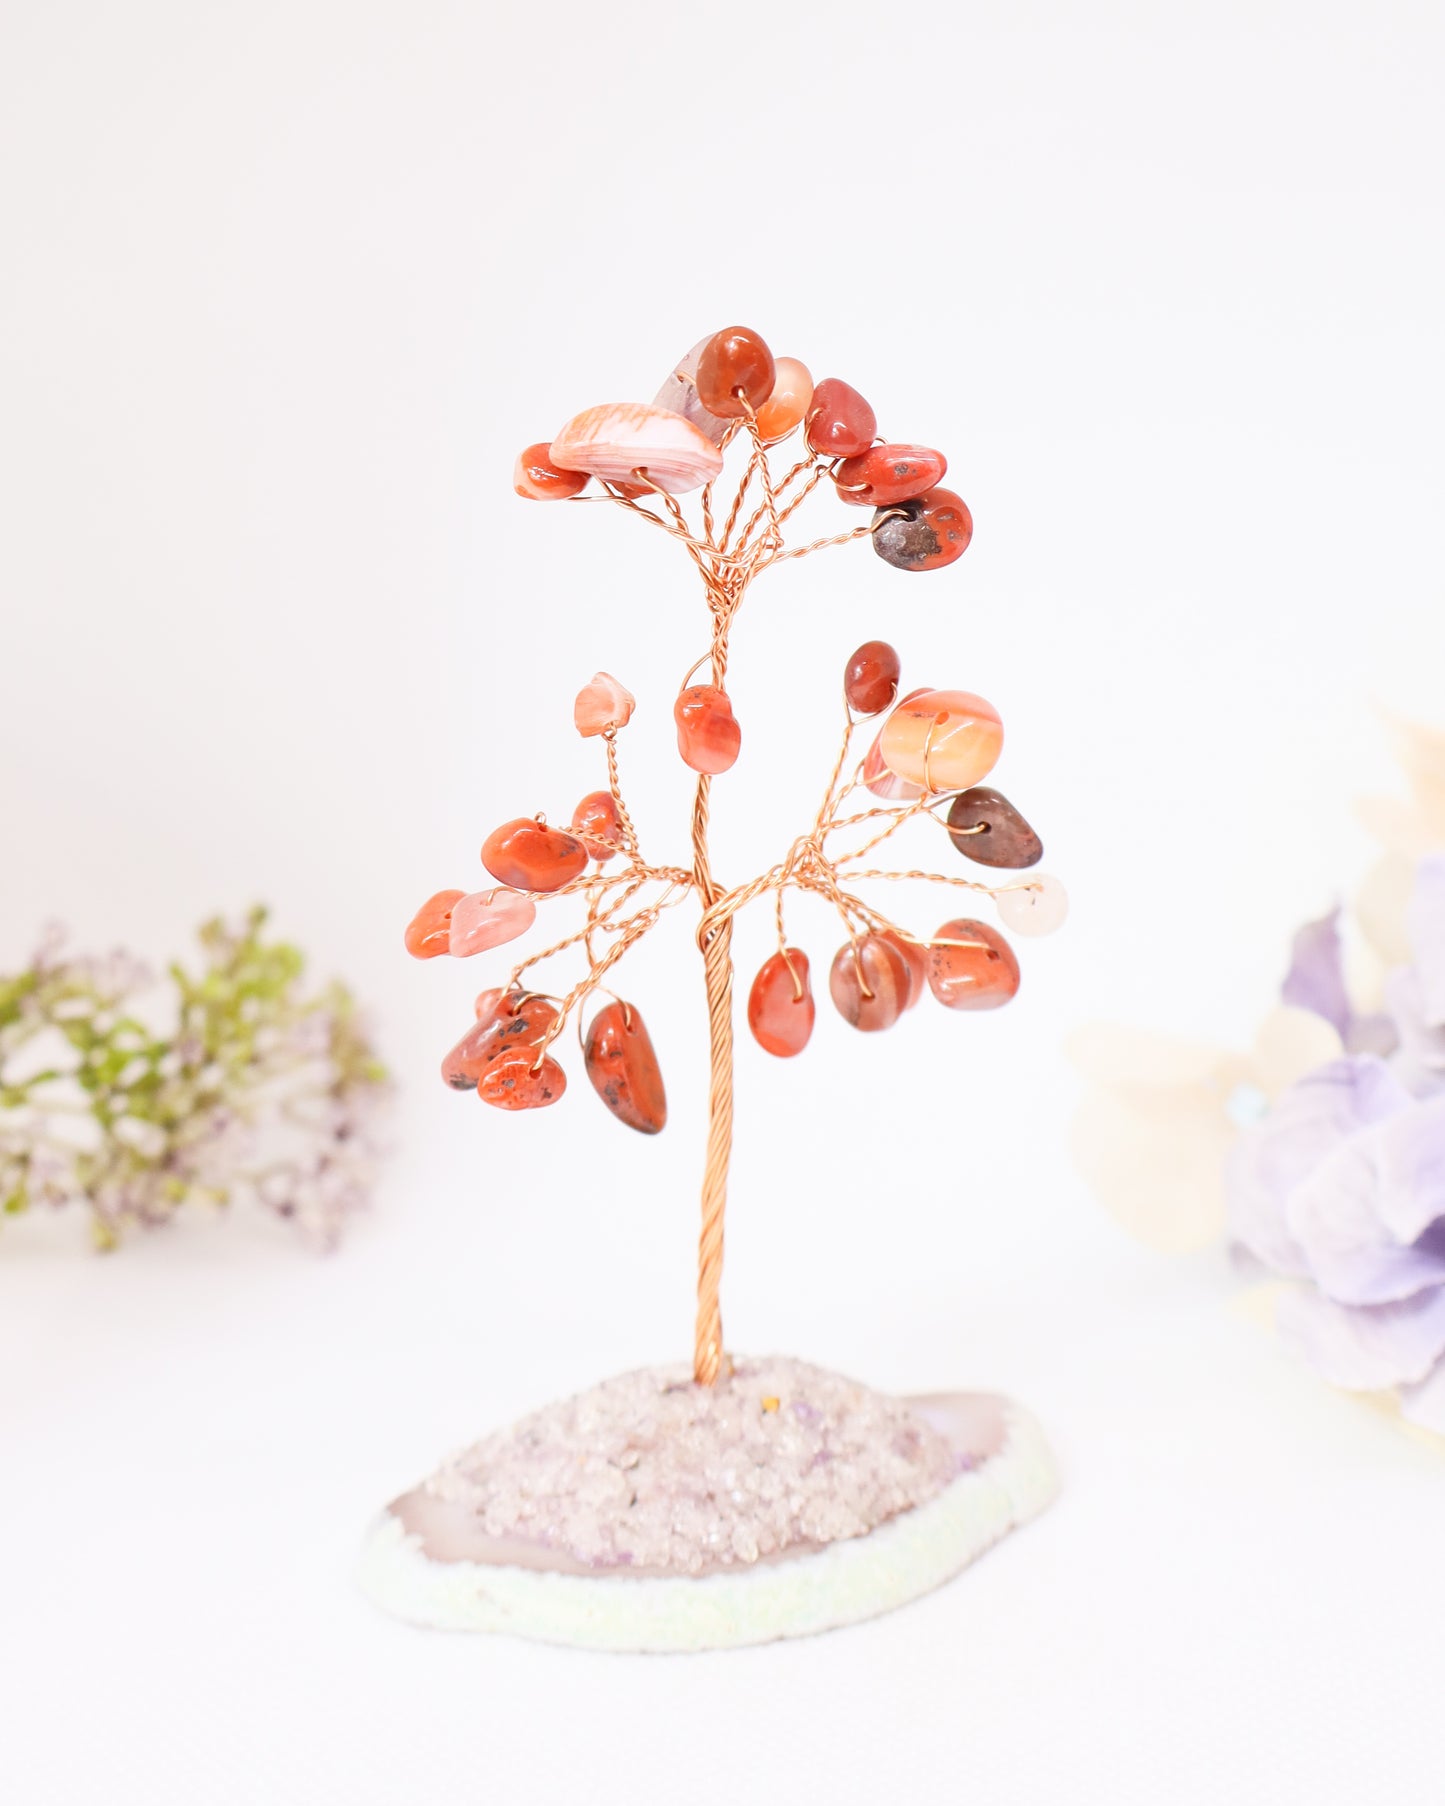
[(1038, 905)]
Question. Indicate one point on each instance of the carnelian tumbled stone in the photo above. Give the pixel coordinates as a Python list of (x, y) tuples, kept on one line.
[(464, 1065), (733, 359), (780, 1004), (428, 933), (540, 480), (971, 966), (870, 982), (790, 400), (942, 739), (708, 737), (840, 423), (915, 958), (622, 1066), (506, 1021), (528, 855), (522, 1018), (878, 778), (516, 1081), (925, 533), (598, 826), (870, 680), (889, 474)]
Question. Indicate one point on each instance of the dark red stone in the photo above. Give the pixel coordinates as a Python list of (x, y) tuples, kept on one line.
[(870, 681), (623, 1068), (985, 827), (735, 358), (840, 423)]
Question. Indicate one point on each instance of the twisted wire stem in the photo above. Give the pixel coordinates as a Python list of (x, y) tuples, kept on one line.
[(715, 938)]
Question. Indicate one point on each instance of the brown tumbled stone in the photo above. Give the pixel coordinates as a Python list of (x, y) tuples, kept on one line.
[(925, 533), (985, 827), (870, 982)]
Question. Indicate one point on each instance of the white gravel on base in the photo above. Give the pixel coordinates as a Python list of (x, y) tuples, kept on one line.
[(792, 1596)]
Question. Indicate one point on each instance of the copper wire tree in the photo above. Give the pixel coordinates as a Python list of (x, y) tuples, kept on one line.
[(927, 758)]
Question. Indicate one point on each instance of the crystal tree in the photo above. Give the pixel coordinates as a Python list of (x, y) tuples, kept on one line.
[(927, 758)]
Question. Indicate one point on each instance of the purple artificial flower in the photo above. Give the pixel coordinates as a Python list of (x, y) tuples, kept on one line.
[(1341, 1187), (1316, 977), (1316, 982)]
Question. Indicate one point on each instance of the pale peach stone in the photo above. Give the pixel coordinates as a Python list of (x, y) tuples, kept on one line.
[(879, 779), (620, 438), (602, 704), (678, 395), (942, 740), (1036, 907), (488, 918), (789, 402)]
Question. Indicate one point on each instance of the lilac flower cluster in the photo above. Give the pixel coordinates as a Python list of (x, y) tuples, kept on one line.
[(252, 1090), (1341, 1187)]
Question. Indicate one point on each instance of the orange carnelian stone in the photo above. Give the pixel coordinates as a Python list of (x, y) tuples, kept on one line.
[(916, 958), (876, 775), (467, 1061), (980, 974), (780, 1004), (505, 1021), (708, 737), (540, 480), (870, 982), (595, 822), (528, 855), (789, 402), (889, 474), (735, 358), (942, 739), (925, 533), (840, 423), (511, 1083), (623, 1068), (522, 1017), (870, 680), (428, 933)]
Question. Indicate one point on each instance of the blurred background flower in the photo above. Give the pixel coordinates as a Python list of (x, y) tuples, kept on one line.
[(1320, 1153), (137, 1106)]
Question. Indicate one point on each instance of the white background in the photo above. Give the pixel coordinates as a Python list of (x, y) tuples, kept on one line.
[(286, 286)]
